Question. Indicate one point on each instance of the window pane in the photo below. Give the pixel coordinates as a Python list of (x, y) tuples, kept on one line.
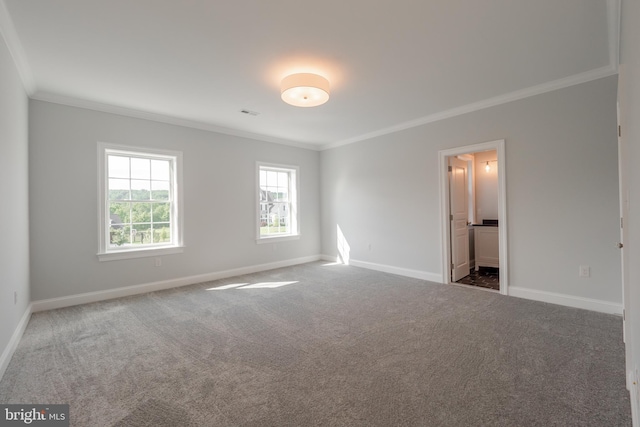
[(119, 236), (118, 167), (273, 219), (160, 170), (161, 233), (283, 179), (119, 214), (119, 189), (140, 212), (141, 234), (272, 179), (140, 190), (161, 212), (264, 214), (283, 193), (140, 168), (159, 190)]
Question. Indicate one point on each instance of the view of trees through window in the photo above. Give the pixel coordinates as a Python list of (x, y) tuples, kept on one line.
[(139, 200)]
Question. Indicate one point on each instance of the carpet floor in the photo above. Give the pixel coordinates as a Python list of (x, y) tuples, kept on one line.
[(323, 345)]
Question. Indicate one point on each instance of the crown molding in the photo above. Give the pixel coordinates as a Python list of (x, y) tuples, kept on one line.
[(10, 36), (613, 31), (8, 32), (584, 77), (161, 118), (573, 80)]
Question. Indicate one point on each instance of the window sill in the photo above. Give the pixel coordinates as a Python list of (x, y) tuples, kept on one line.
[(275, 239), (139, 253)]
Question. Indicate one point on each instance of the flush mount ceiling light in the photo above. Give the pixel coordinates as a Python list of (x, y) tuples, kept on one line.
[(305, 90)]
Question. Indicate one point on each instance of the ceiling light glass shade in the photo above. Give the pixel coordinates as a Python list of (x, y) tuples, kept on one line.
[(305, 90)]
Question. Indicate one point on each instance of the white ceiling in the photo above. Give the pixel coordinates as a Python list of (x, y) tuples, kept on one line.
[(391, 64)]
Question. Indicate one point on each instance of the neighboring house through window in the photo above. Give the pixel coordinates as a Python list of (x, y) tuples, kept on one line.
[(278, 202), (140, 207)]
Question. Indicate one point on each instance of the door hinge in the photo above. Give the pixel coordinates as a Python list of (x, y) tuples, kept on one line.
[(452, 266), (619, 131), (450, 169), (450, 217)]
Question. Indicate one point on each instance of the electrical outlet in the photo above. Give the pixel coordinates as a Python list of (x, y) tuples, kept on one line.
[(158, 262), (585, 271)]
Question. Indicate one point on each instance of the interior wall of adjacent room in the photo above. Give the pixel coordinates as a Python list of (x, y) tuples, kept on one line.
[(486, 193), (562, 191), (14, 193), (219, 173)]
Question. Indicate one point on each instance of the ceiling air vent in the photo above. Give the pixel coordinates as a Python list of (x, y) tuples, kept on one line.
[(249, 112)]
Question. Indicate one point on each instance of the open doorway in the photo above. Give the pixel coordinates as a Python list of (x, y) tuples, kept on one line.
[(474, 229)]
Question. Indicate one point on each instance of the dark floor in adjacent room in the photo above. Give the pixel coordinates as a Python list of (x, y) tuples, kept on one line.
[(485, 277)]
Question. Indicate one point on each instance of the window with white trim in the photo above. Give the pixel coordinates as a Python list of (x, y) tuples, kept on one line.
[(278, 202), (140, 207)]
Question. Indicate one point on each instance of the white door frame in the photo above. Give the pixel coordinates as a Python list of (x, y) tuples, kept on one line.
[(445, 226), (623, 186), (459, 221)]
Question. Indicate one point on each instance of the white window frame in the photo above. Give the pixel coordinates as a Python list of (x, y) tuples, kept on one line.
[(105, 252), (294, 189)]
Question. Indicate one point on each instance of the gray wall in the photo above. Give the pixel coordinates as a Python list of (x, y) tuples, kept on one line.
[(219, 201), (14, 193), (562, 191)]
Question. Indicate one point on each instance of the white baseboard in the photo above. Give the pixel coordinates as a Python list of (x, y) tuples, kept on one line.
[(532, 294), (416, 274), (566, 300), (330, 258), (15, 340), (53, 303)]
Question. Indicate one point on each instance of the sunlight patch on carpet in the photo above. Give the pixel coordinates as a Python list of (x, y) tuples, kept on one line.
[(260, 285)]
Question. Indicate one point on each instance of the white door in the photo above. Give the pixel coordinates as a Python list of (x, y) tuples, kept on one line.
[(458, 200), (624, 211)]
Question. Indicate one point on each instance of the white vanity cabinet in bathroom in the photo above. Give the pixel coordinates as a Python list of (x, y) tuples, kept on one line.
[(486, 246)]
